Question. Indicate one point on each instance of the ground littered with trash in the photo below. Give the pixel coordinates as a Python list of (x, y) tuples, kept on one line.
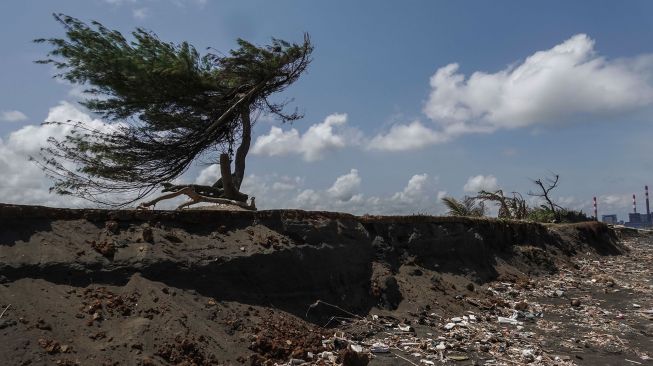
[(284, 287), (593, 312)]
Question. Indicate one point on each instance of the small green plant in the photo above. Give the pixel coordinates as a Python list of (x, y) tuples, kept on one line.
[(544, 214), (468, 206), (541, 214), (515, 207)]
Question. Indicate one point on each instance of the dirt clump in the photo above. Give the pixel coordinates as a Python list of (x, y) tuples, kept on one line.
[(353, 358), (112, 227), (106, 247), (53, 347), (283, 338), (185, 351), (147, 234)]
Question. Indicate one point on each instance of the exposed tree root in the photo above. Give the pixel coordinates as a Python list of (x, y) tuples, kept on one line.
[(197, 198)]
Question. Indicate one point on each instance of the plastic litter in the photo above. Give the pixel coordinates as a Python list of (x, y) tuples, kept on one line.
[(379, 348)]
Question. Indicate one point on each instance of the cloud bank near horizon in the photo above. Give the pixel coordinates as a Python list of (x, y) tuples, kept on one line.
[(419, 195)]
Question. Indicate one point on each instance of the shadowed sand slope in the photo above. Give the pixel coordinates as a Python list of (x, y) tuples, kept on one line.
[(162, 287)]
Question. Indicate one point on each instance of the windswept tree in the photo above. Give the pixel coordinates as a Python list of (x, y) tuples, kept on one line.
[(168, 106)]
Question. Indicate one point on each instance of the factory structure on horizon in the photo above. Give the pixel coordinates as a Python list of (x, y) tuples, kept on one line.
[(635, 219)]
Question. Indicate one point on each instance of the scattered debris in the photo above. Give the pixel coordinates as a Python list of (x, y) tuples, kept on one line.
[(379, 348), (509, 327)]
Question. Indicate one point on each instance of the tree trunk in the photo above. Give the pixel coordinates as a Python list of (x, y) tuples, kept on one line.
[(243, 149), (230, 190)]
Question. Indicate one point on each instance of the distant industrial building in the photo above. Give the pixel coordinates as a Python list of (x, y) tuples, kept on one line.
[(639, 220), (609, 219)]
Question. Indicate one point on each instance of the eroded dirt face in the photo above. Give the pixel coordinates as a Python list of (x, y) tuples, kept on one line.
[(92, 287)]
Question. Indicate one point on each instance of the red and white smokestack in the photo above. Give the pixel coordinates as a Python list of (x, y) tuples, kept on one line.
[(634, 205), (648, 209), (596, 212)]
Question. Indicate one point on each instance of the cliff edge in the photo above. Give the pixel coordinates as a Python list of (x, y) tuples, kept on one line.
[(203, 287)]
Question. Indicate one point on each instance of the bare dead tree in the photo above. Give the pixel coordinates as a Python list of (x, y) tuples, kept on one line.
[(546, 185)]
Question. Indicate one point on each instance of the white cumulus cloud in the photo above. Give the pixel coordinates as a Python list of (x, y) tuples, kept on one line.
[(618, 200), (481, 183), (23, 181), (415, 190), (12, 116), (272, 191), (208, 175), (554, 85), (141, 13), (402, 137), (258, 184), (309, 199), (286, 183), (615, 203), (345, 186), (320, 138), (566, 83), (418, 196)]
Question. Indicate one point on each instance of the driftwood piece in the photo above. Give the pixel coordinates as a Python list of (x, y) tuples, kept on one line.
[(190, 191)]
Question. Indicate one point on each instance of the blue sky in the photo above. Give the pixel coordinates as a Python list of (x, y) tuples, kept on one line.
[(391, 123)]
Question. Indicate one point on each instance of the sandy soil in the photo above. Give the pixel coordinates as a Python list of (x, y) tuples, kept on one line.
[(83, 287)]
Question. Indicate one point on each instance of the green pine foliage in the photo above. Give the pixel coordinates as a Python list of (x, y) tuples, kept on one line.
[(169, 105)]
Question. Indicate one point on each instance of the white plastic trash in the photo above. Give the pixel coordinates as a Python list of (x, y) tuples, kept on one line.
[(379, 348)]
